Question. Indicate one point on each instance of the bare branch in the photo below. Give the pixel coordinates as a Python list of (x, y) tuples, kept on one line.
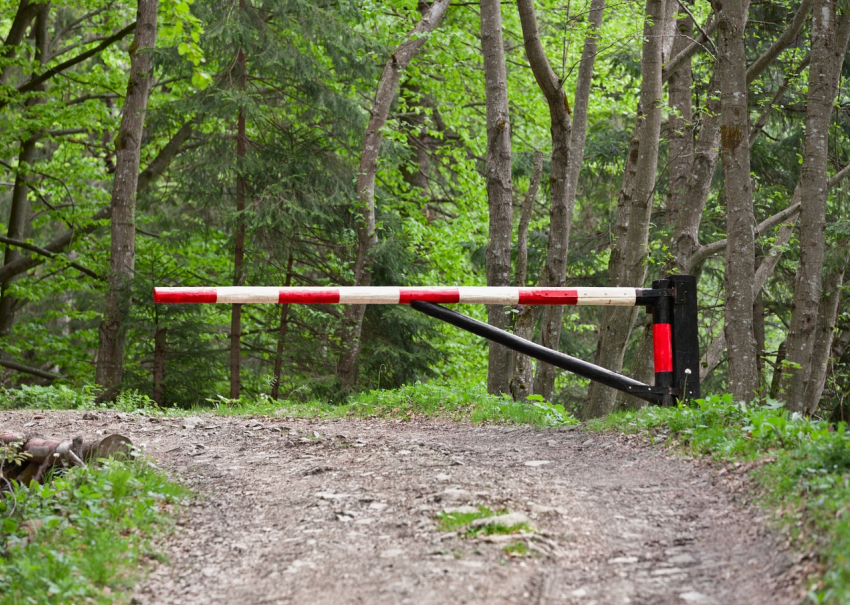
[(19, 367)]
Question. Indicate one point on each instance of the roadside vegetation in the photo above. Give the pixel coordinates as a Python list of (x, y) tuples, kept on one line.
[(451, 401), (800, 465), (84, 536)]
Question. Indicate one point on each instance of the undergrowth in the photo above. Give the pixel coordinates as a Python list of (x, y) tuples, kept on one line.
[(450, 401), (80, 537), (455, 521), (802, 468)]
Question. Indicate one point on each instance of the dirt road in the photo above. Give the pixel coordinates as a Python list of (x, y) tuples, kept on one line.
[(294, 511)]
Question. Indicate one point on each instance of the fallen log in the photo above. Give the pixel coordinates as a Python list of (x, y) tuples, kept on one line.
[(26, 458)]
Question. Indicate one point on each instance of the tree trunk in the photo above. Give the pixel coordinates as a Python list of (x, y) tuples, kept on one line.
[(822, 349), (680, 133), (735, 153), (281, 334), (759, 333), (367, 238), (522, 372), (17, 229), (828, 50), (113, 329), (627, 266), (778, 366), (239, 245), (553, 315), (25, 13), (499, 185), (19, 208), (159, 352), (680, 138)]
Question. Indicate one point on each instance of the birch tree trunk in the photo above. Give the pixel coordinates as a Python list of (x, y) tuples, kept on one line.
[(499, 185), (113, 329), (829, 45), (627, 266), (367, 238), (553, 316)]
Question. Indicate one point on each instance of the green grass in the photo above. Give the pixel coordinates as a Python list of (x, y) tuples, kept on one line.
[(458, 521), (81, 538), (801, 466), (450, 401), (457, 402), (517, 549)]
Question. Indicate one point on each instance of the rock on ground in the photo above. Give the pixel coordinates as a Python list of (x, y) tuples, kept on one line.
[(299, 511)]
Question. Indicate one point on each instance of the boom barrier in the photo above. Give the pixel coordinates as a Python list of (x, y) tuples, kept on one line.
[(671, 301)]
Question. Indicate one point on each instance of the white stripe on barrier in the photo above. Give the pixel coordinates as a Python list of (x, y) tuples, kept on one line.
[(374, 295), (606, 296), (246, 294), (489, 296)]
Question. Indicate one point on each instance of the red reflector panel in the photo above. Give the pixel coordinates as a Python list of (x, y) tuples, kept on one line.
[(184, 295), (432, 295), (662, 345), (309, 296), (547, 296)]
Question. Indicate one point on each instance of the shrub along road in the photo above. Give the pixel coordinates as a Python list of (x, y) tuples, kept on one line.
[(349, 511)]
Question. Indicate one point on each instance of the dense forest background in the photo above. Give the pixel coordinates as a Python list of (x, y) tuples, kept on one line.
[(295, 142)]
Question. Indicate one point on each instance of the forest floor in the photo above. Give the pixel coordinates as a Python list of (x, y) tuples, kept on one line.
[(346, 511)]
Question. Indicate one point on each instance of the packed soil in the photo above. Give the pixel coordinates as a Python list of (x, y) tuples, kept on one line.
[(300, 511)]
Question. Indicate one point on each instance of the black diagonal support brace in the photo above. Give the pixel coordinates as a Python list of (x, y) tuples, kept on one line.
[(555, 358)]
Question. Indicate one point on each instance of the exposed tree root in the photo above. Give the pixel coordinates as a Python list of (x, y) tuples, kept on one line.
[(26, 458)]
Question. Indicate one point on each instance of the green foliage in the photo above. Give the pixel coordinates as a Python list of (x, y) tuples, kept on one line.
[(803, 468), (456, 521), (81, 537), (56, 397), (459, 402), (62, 397), (517, 549)]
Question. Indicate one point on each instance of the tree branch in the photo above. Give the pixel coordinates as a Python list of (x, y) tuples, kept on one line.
[(19, 367), (781, 43), (704, 33), (676, 62), (34, 82), (777, 96), (44, 252)]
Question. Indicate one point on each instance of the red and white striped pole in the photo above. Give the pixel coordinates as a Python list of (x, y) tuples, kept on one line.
[(672, 300), (384, 295)]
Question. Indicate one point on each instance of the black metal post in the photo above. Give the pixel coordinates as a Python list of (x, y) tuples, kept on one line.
[(662, 341), (685, 337), (555, 358)]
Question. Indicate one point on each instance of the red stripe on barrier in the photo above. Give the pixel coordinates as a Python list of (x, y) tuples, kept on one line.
[(431, 295), (662, 347), (547, 296), (184, 295), (309, 296)]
